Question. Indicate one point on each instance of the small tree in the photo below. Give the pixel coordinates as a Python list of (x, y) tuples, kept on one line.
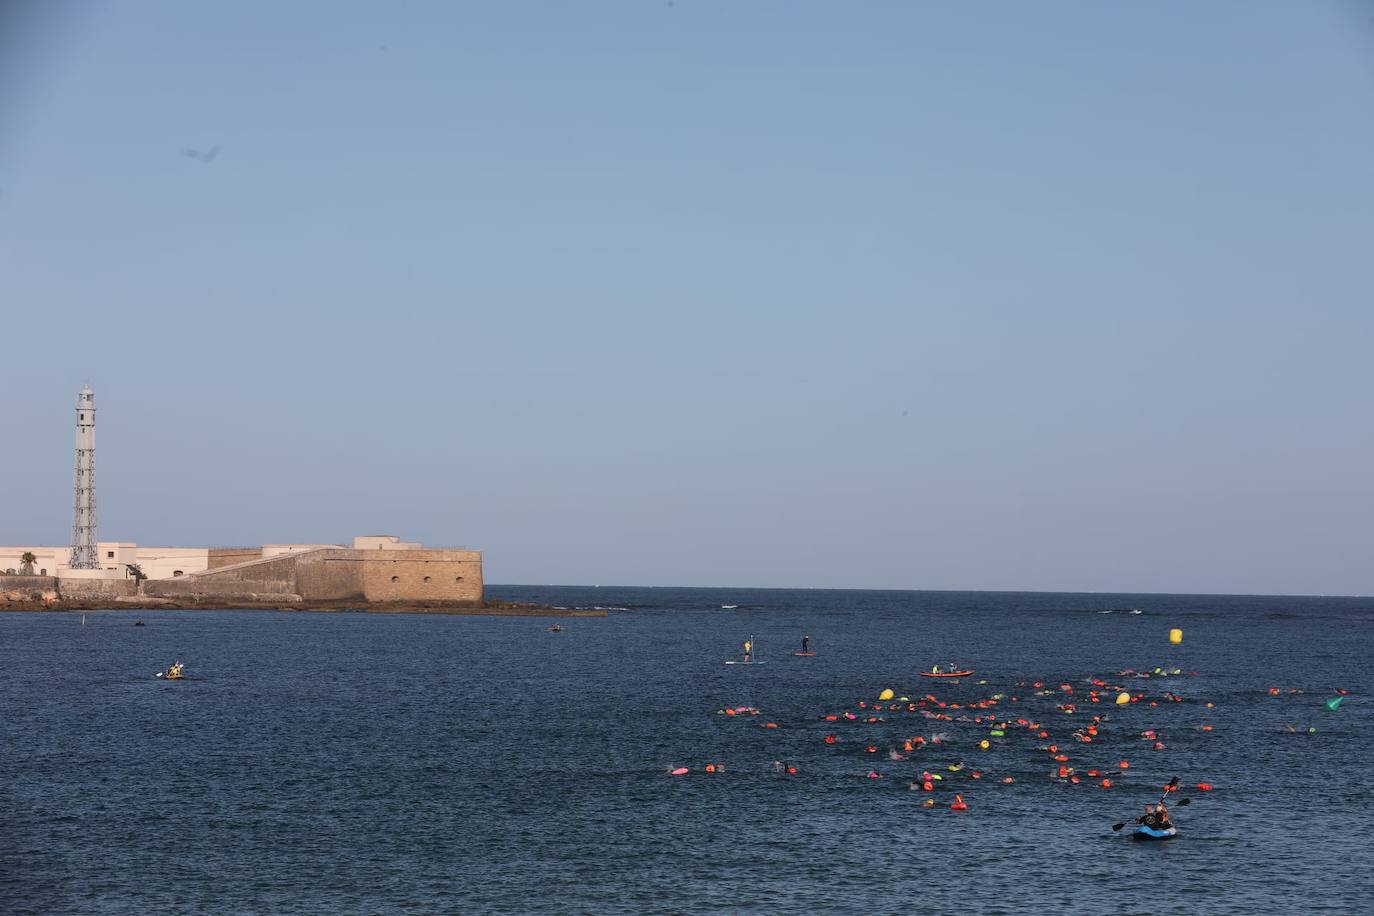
[(26, 561), (137, 572)]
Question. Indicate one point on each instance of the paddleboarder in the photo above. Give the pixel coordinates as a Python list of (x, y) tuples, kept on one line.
[(806, 645)]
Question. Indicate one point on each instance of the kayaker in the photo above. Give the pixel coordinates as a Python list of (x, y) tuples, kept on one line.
[(1156, 817), (934, 669)]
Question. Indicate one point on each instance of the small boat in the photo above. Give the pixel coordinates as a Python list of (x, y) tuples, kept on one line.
[(1146, 832), (946, 674)]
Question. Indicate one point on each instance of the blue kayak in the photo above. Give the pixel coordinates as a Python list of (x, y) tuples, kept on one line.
[(1144, 832)]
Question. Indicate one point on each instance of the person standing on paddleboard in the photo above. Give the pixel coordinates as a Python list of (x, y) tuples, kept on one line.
[(806, 645), (748, 649)]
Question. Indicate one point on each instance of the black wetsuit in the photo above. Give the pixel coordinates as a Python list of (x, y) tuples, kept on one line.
[(806, 644), (1155, 821)]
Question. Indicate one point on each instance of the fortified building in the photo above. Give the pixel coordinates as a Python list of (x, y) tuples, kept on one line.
[(378, 571)]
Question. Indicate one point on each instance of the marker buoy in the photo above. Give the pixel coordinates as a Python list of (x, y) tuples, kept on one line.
[(886, 694), (984, 744), (1123, 698), (1175, 636)]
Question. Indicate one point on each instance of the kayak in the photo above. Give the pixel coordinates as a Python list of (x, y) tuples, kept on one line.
[(946, 674), (1143, 832)]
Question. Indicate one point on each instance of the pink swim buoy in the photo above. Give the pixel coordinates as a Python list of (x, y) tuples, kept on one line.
[(680, 771)]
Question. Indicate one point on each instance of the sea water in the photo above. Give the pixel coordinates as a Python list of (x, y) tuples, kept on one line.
[(358, 763)]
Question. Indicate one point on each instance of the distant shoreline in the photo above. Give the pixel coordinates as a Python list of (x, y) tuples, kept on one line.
[(486, 609)]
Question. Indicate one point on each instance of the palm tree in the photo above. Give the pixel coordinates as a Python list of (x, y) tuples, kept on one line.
[(26, 560)]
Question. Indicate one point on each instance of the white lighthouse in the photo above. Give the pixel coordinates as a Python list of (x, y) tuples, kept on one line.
[(83, 523)]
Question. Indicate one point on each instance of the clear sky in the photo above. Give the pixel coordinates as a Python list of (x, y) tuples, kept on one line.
[(1006, 295)]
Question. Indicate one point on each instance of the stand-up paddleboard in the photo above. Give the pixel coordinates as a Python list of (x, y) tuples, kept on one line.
[(745, 663), (804, 654)]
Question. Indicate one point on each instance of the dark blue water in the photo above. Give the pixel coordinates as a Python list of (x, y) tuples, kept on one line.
[(350, 763)]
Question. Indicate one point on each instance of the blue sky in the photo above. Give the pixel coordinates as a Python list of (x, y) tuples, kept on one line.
[(1042, 296)]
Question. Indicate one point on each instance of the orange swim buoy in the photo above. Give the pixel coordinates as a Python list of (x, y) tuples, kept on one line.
[(958, 804), (791, 771), (1106, 783), (829, 739), (1124, 765), (710, 767), (928, 786), (1007, 780), (1204, 787)]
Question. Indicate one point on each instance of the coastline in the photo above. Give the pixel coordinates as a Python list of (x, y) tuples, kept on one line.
[(275, 603)]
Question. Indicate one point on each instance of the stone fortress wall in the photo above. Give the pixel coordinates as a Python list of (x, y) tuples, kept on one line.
[(381, 573)]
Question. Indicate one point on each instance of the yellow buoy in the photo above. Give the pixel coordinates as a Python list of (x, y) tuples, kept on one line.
[(984, 744), (886, 694), (1123, 698), (1175, 636)]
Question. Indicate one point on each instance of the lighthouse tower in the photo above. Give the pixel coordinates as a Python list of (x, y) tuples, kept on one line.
[(83, 523)]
